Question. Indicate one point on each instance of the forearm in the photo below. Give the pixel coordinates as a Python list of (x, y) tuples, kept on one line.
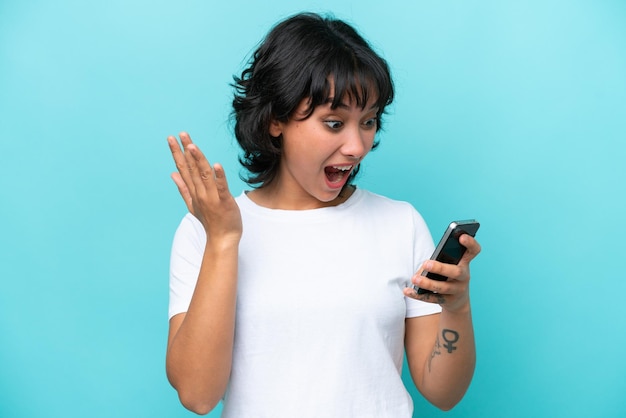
[(449, 368), (199, 353)]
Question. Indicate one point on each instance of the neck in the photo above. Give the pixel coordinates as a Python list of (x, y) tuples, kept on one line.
[(274, 198)]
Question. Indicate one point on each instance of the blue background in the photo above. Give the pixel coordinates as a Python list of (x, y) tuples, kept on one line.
[(510, 112)]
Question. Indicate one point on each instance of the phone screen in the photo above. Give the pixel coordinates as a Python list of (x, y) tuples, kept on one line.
[(452, 251)]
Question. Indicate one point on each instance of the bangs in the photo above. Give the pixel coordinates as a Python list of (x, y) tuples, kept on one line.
[(346, 75), (307, 58)]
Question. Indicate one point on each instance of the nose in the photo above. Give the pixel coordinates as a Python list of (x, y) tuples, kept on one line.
[(357, 143)]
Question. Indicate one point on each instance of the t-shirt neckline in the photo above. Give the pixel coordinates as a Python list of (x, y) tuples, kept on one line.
[(245, 203)]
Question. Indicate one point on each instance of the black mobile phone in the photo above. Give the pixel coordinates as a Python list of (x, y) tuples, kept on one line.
[(449, 250)]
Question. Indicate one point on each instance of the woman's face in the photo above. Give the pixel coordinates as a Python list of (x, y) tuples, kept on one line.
[(320, 152)]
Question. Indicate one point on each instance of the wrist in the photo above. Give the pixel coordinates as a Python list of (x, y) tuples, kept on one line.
[(463, 309), (222, 244)]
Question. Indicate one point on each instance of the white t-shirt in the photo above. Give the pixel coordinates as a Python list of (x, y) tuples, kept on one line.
[(320, 310)]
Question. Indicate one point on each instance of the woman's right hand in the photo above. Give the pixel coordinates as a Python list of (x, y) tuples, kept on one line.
[(205, 190)]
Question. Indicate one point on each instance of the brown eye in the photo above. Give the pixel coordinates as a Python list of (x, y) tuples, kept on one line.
[(333, 124), (370, 123)]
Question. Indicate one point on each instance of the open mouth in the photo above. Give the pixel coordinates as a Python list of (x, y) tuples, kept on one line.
[(336, 174)]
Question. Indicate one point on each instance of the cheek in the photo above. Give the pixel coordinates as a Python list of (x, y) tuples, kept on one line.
[(299, 159), (307, 147)]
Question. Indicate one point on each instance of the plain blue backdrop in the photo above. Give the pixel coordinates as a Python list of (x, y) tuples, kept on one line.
[(510, 112)]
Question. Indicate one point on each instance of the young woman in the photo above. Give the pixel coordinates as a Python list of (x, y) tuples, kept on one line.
[(295, 299)]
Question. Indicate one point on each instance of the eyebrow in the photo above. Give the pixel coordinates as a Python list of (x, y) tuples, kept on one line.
[(343, 105)]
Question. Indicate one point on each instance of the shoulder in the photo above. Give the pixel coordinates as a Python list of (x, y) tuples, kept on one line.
[(190, 224), (189, 232), (380, 206), (380, 202), (372, 197)]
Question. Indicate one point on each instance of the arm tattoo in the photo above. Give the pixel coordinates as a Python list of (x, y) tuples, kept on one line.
[(450, 337), (436, 352), (431, 297)]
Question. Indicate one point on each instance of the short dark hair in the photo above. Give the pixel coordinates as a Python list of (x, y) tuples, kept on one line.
[(295, 61)]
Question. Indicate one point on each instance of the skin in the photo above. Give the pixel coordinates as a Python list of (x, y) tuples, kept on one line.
[(200, 341), (440, 348), (329, 137)]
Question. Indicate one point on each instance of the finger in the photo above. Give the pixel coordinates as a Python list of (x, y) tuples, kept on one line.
[(473, 248), (426, 297), (180, 160), (185, 139), (220, 181), (435, 276), (201, 171), (433, 285), (183, 190), (449, 271)]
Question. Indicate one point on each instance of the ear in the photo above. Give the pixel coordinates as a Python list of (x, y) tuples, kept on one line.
[(275, 128)]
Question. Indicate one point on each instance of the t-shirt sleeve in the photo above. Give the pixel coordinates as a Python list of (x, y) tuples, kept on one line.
[(423, 248), (185, 259)]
